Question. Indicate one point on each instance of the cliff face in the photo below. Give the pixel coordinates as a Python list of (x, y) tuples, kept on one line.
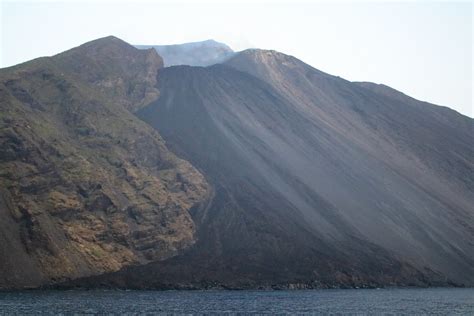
[(86, 187)]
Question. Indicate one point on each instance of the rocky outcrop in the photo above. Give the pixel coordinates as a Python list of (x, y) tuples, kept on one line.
[(86, 187)]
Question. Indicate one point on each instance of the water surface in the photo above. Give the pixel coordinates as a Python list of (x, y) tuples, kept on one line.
[(437, 301)]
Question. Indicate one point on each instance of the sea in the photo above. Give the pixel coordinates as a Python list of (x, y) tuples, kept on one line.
[(411, 301)]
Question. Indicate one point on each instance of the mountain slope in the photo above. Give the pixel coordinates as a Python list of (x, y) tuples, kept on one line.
[(317, 181), (325, 158), (86, 187), (298, 178), (428, 147), (203, 53), (388, 113)]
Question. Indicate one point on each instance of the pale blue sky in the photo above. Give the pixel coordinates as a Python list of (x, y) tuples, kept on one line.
[(423, 49)]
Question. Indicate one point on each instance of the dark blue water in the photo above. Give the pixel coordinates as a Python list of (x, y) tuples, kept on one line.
[(383, 301)]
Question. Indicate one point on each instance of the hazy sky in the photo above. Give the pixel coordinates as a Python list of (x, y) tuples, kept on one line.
[(423, 49)]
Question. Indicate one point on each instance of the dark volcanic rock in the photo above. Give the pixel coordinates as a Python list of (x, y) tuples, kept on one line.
[(317, 178)]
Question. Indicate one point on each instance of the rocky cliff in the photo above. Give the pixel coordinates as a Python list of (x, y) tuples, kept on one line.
[(86, 187)]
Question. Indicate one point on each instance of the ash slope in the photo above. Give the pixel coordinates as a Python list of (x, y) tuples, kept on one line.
[(306, 151), (85, 186), (317, 181)]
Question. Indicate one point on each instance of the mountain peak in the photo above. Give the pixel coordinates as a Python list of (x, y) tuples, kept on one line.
[(109, 63), (263, 58), (265, 54), (272, 66), (107, 46), (109, 38)]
